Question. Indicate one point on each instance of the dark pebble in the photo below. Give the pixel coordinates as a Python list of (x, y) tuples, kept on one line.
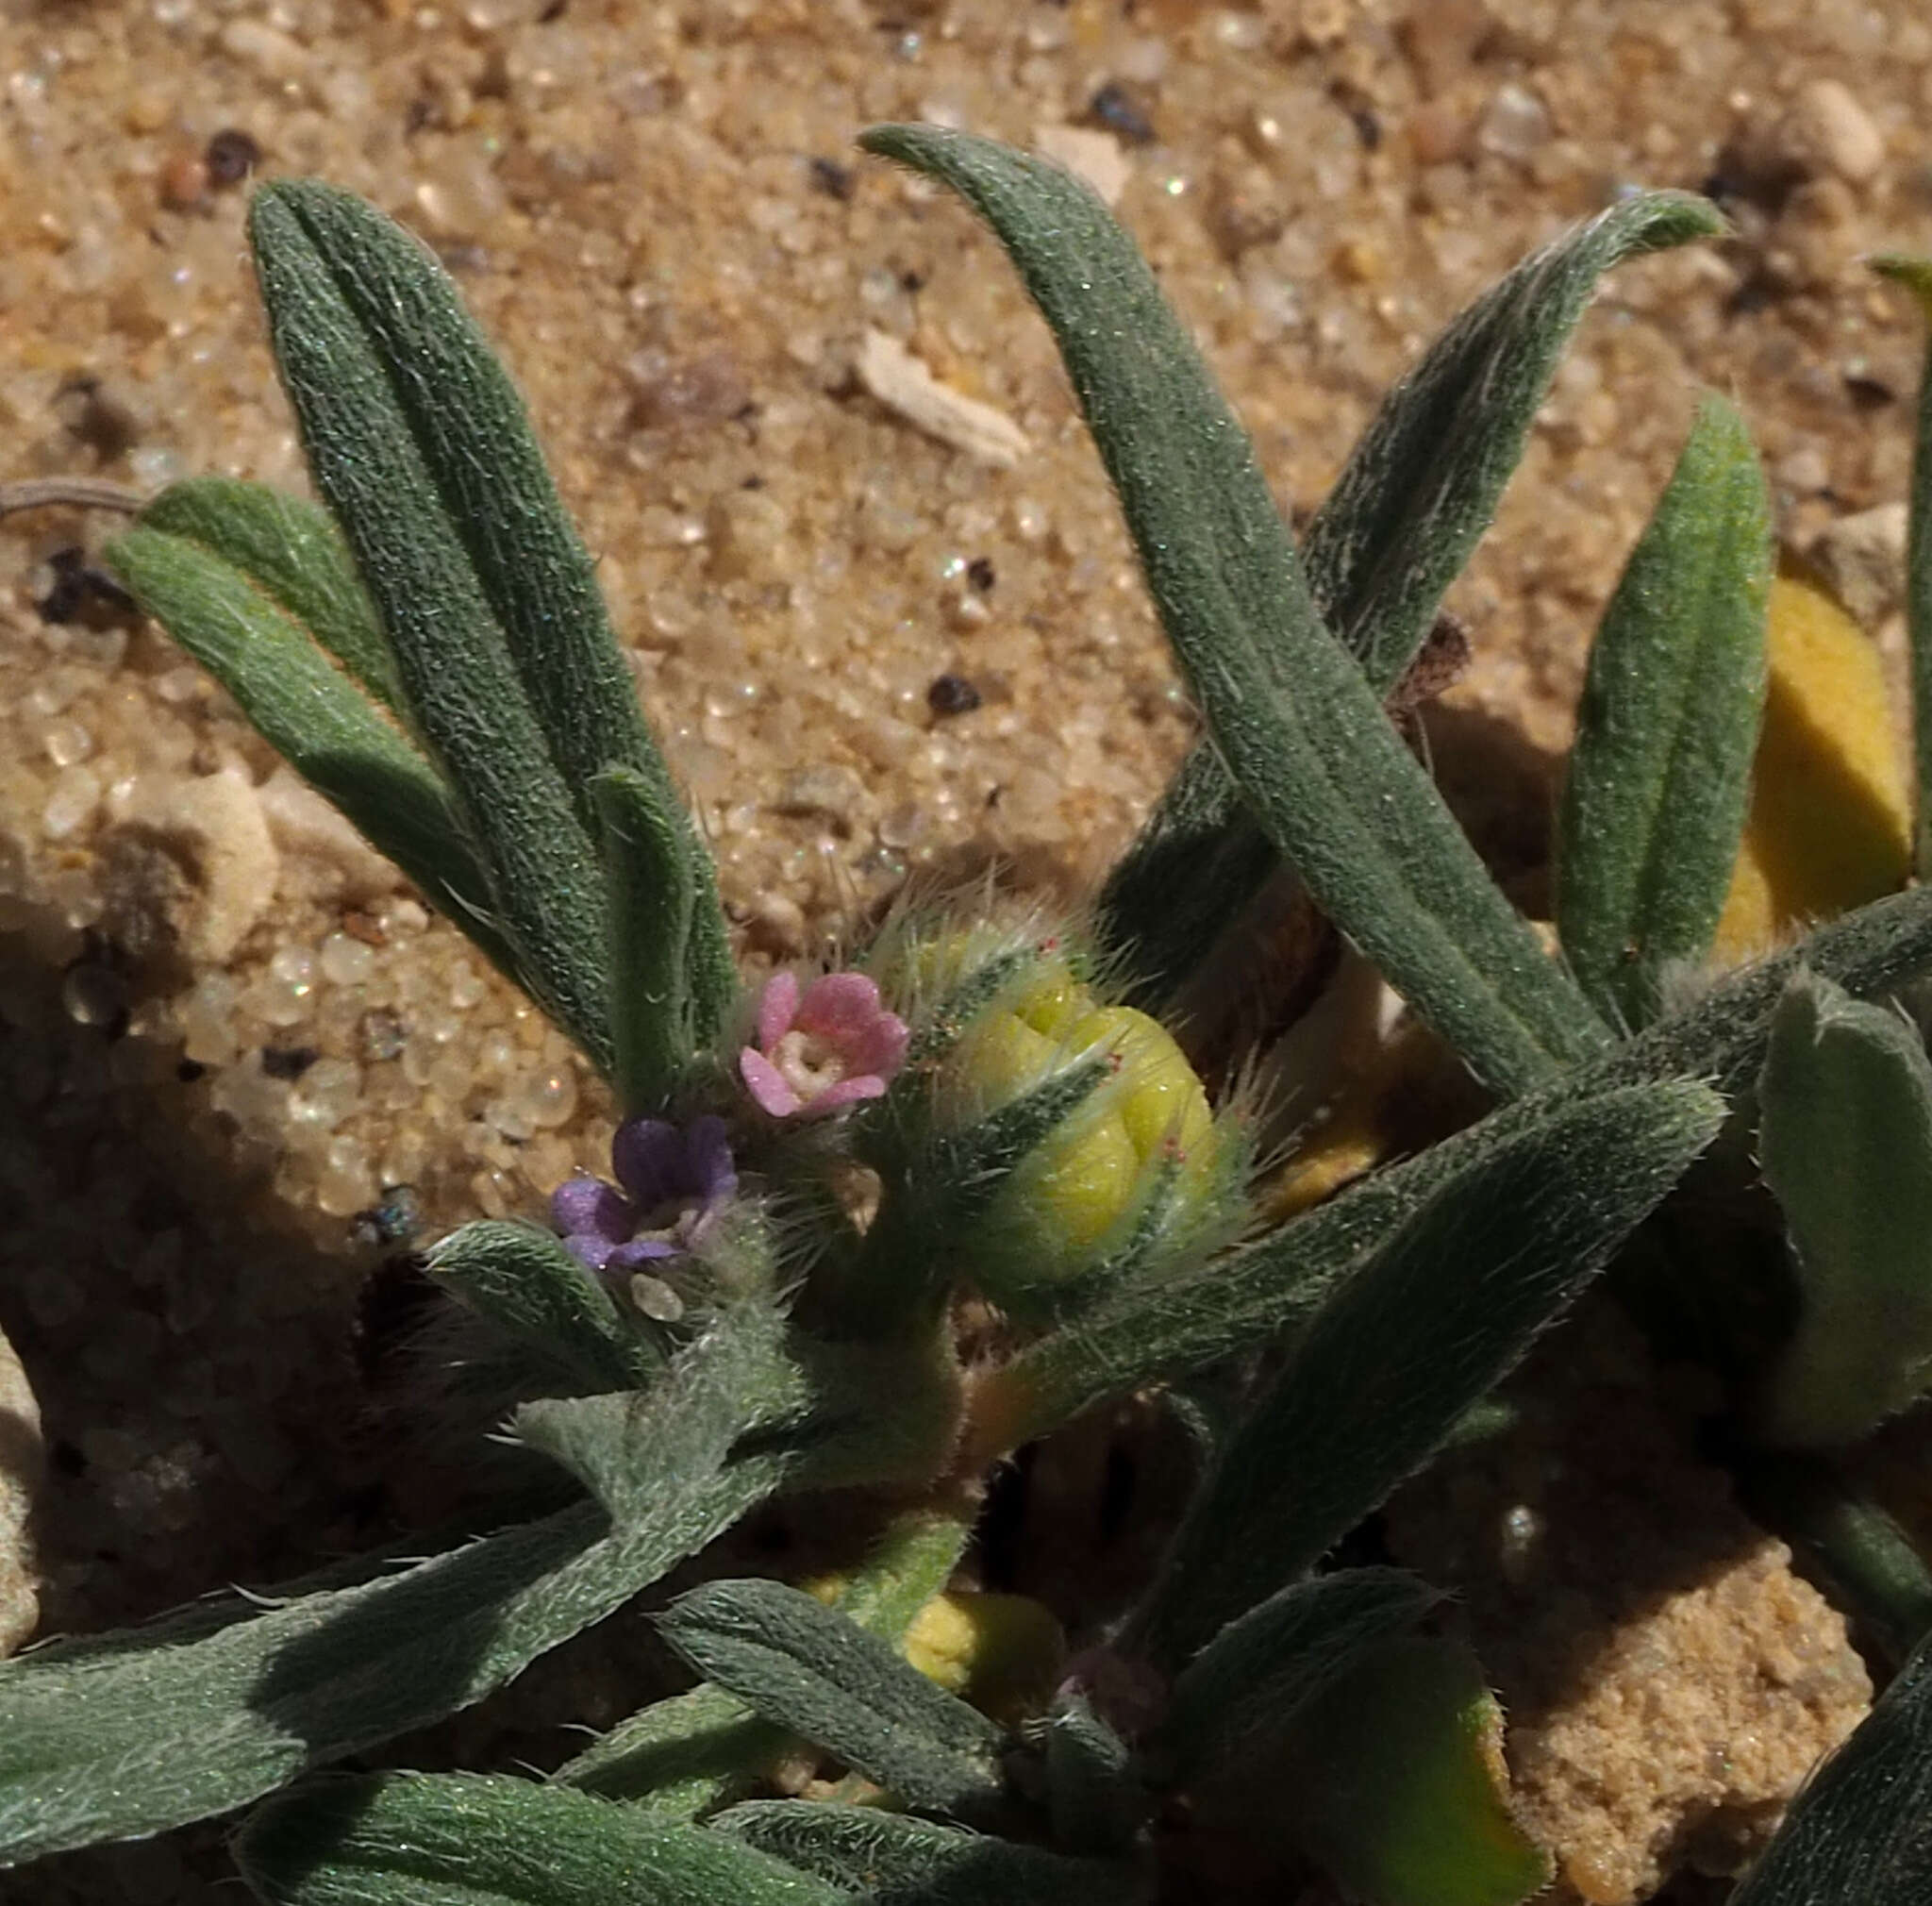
[(1114, 108), (231, 156), (394, 1219), (80, 592), (833, 180), (287, 1062), (979, 572), (1868, 392), (952, 694)]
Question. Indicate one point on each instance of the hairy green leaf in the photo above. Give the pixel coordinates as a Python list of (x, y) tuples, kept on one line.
[(524, 1280), (374, 352), (1393, 1779), (889, 1860), (1422, 485), (1300, 730), (1721, 1035), (477, 1840), (818, 1674), (1097, 1797), (1845, 1140), (682, 1756), (1418, 492), (1661, 773), (646, 870), (1861, 1831), (1199, 862), (243, 631), (737, 1383), (115, 1742), (1159, 1332), (1395, 1358), (1245, 1688), (293, 551), (332, 263)]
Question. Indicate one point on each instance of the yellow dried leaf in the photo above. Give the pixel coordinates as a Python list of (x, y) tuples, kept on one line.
[(1829, 825)]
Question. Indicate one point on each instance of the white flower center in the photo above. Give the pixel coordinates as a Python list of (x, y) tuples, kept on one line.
[(808, 1063)]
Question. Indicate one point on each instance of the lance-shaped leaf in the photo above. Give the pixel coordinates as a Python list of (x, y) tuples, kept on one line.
[(117, 1741), (1418, 492), (474, 1840), (1846, 1139), (1097, 1796), (1396, 1782), (682, 1756), (646, 865), (295, 553), (1915, 276), (526, 1282), (1723, 1034), (1422, 485), (1302, 733), (890, 1860), (1246, 1687), (821, 1676), (360, 318), (679, 1758), (1395, 1358), (240, 624), (1164, 1330), (474, 443), (331, 263), (1861, 1831), (1661, 773)]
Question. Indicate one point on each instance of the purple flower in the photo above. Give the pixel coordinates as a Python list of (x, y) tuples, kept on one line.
[(828, 1046), (676, 1180)]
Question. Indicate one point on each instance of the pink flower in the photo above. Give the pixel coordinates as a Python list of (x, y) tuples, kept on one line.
[(829, 1045)]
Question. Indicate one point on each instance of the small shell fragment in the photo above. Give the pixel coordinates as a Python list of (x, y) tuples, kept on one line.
[(893, 375)]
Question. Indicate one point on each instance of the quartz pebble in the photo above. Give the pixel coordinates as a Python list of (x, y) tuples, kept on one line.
[(1827, 131), (1096, 156), (216, 823), (1862, 559)]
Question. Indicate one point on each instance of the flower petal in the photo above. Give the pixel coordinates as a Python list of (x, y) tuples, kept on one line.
[(880, 1047), (777, 1006), (847, 1091), (588, 1206), (590, 1251), (640, 1251), (766, 1083), (707, 1153), (649, 1156), (838, 1005)]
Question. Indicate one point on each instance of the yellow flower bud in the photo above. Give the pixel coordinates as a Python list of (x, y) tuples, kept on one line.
[(1089, 1182), (1000, 1652)]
